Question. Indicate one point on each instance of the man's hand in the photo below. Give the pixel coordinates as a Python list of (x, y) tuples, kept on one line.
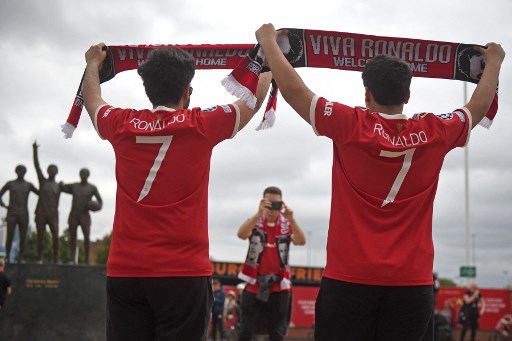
[(91, 90), (266, 33), (264, 206), (288, 212), (486, 88), (492, 52), (96, 55)]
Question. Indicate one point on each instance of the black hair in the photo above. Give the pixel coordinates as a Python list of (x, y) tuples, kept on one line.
[(166, 73), (272, 190), (388, 79)]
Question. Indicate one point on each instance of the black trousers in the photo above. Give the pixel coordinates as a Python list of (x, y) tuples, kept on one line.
[(162, 308), (265, 317), (470, 323), (217, 326), (349, 311)]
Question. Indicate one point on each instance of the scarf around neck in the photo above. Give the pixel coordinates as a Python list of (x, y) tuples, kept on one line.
[(257, 244), (304, 48)]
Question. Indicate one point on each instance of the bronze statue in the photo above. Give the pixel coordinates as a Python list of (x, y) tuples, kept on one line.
[(81, 204), (17, 211), (47, 209)]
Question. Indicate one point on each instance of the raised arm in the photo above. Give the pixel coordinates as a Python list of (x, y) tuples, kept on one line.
[(470, 298), (91, 89), (247, 113), (293, 89), (40, 175), (485, 90), (482, 306), (298, 236), (245, 230)]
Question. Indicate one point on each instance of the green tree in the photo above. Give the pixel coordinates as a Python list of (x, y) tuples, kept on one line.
[(65, 252), (31, 248), (446, 282), (103, 249)]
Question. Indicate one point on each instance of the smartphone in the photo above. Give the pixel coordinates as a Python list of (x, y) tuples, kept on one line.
[(276, 205)]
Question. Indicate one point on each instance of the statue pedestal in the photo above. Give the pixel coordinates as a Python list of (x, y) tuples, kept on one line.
[(54, 302)]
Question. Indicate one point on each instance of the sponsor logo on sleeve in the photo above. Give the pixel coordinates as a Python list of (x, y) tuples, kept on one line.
[(447, 116), (105, 114), (328, 108), (226, 108), (210, 109), (419, 116)]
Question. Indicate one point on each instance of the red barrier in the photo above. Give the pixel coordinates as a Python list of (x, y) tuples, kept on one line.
[(497, 303)]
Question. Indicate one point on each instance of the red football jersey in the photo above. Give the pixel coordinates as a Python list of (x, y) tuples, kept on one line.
[(162, 171), (384, 181)]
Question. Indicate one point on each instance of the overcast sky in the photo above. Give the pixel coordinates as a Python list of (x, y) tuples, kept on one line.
[(42, 45)]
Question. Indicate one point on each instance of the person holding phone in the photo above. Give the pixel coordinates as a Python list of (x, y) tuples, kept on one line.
[(266, 297)]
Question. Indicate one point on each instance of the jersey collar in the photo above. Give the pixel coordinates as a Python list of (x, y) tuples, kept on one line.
[(161, 107), (392, 117)]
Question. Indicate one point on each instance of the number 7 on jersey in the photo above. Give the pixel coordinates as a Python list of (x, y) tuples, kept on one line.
[(401, 174), (166, 142)]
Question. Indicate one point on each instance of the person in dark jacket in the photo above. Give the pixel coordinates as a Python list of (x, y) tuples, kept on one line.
[(219, 299)]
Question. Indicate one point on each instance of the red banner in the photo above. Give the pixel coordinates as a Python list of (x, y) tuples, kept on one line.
[(303, 306), (497, 303)]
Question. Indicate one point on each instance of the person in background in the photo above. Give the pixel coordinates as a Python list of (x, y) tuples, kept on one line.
[(266, 298), (473, 307), (231, 312), (504, 326), (239, 292), (5, 284), (219, 301)]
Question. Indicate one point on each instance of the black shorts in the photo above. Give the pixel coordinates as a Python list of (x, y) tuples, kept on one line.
[(161, 308), (350, 311)]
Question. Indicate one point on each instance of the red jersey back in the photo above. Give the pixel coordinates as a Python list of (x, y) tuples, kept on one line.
[(162, 171), (384, 181)]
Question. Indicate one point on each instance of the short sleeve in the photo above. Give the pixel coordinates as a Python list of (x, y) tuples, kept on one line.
[(331, 119), (457, 127), (107, 120), (220, 122)]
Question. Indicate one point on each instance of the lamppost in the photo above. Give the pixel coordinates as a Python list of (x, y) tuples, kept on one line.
[(473, 253), (309, 247)]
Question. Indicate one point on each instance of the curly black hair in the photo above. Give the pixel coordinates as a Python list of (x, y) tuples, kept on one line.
[(388, 79), (166, 73)]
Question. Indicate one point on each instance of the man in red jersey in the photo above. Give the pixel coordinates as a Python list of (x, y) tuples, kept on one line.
[(162, 171), (266, 298), (377, 283)]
